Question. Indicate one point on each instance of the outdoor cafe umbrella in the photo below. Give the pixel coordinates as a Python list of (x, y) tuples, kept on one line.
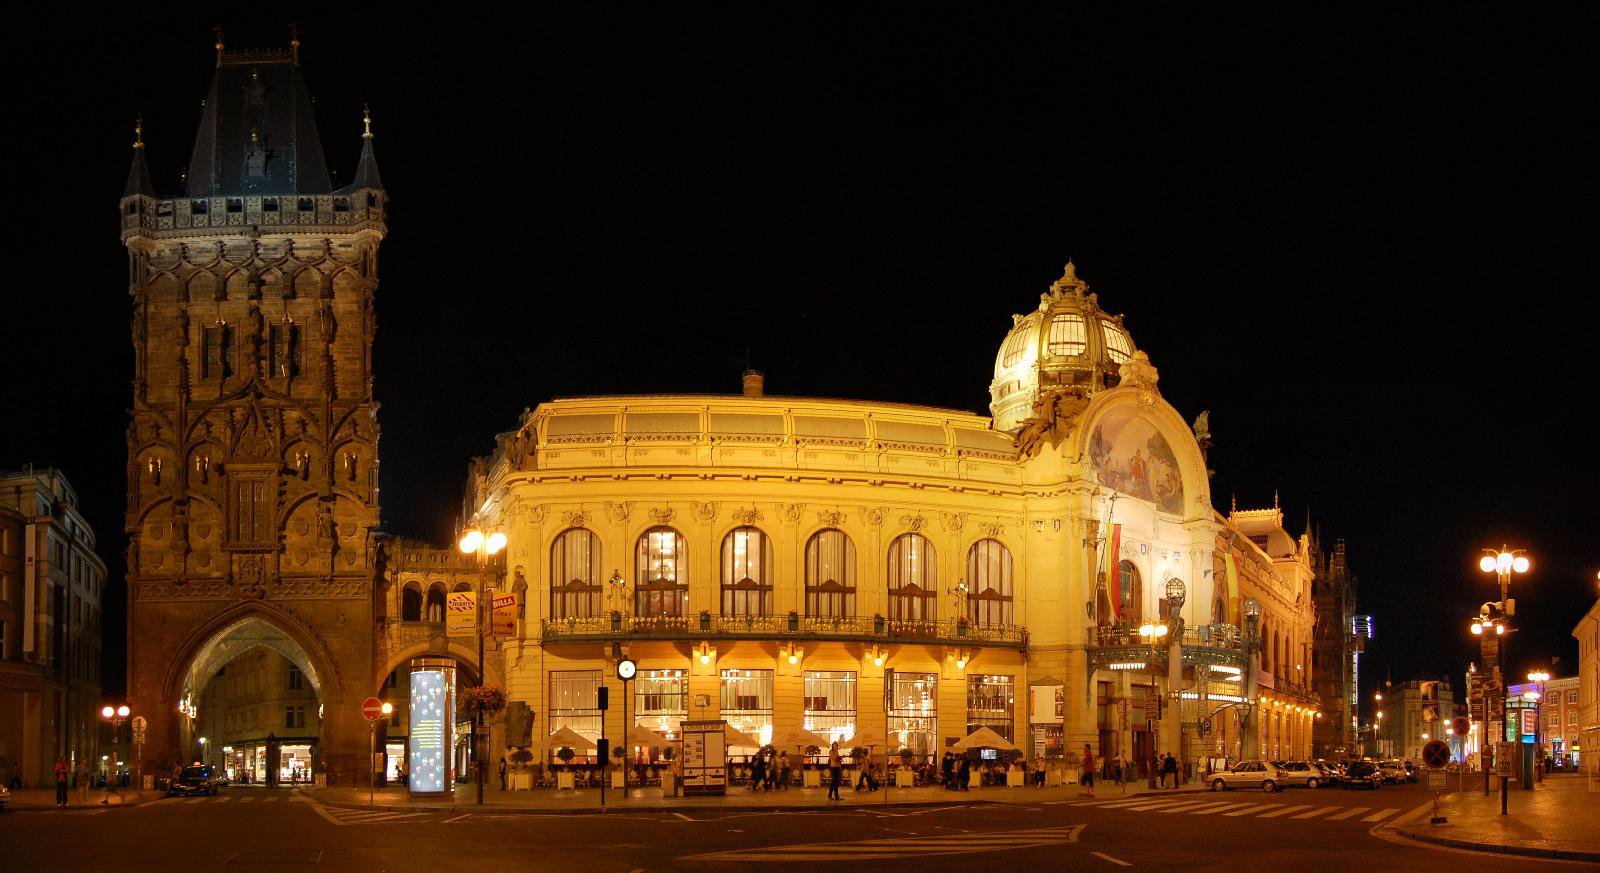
[(735, 738), (800, 738), (983, 738), (571, 739), (639, 735), (869, 739)]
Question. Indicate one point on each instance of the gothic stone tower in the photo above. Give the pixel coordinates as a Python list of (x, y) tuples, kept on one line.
[(253, 439)]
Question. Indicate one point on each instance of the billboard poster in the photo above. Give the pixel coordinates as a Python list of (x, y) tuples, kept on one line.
[(503, 617), (430, 766), (461, 614), (1049, 704)]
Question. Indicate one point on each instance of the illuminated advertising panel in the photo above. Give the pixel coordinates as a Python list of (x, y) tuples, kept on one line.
[(432, 711)]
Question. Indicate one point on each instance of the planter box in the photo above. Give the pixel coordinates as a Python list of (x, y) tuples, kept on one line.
[(904, 778), (669, 784), (618, 778), (564, 780), (974, 779), (813, 779), (1015, 779), (521, 781)]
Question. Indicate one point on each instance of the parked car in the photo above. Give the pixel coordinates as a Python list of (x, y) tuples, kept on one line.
[(1301, 774), (195, 780), (5, 796), (1392, 772), (1332, 773), (1249, 774), (1411, 771), (1362, 774)]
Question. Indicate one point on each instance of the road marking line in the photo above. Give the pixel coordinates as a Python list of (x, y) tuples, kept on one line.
[(1117, 861), (1203, 808), (1141, 807), (1221, 808), (1381, 814), (1285, 811), (860, 850), (1180, 807), (246, 799), (223, 799), (682, 816), (1316, 812), (457, 818), (1251, 809), (324, 813), (1349, 812)]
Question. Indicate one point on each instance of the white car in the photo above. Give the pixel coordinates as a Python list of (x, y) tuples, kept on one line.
[(1393, 772), (1249, 774), (1298, 774)]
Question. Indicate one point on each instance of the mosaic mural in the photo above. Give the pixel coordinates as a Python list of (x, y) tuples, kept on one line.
[(1128, 454)]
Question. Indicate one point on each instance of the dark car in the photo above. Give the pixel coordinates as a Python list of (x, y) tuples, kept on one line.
[(1411, 771), (194, 781), (1362, 774)]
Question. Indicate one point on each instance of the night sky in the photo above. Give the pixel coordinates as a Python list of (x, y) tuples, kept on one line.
[(1358, 243)]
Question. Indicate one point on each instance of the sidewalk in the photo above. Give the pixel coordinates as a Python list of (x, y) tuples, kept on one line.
[(547, 801), (44, 799), (1560, 818)]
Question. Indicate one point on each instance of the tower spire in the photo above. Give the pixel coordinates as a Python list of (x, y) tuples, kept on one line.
[(216, 42), (367, 167), (294, 41), (139, 183)]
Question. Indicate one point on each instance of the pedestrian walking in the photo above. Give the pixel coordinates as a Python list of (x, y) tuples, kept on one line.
[(946, 775), (756, 770), (503, 765), (1170, 768), (62, 772), (963, 774), (1122, 772), (1087, 780), (82, 777), (835, 770), (783, 770)]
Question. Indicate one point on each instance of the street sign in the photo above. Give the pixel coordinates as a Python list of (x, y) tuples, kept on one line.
[(1502, 758), (1436, 779), (461, 614), (1461, 726), (139, 724), (1436, 754), (503, 615), (372, 709), (138, 737)]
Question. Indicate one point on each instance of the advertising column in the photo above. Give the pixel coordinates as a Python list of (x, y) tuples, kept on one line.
[(430, 768)]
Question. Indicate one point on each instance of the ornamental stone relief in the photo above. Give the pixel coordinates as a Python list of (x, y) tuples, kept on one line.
[(992, 530), (790, 512), (619, 512), (953, 522), (705, 512), (914, 522), (873, 516), (575, 519), (831, 518), (662, 515), (747, 516)]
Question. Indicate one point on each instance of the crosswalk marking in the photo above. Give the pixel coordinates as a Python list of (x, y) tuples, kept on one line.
[(1381, 814), (1354, 810), (1277, 812), (1222, 807), (1316, 812), (901, 847), (1184, 806), (1147, 805), (1204, 808), (246, 799), (1251, 809)]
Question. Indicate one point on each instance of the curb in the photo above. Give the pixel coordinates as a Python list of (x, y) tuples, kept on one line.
[(654, 808), (1500, 848), (4, 810)]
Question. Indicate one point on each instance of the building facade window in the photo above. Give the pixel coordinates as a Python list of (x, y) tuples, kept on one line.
[(575, 702), (294, 716), (296, 678), (253, 511), (830, 703), (746, 573), (411, 602), (991, 703), (1132, 593), (1068, 335), (989, 569), (662, 586), (575, 583), (830, 575), (435, 606), (913, 579), (913, 713), (747, 702), (661, 700)]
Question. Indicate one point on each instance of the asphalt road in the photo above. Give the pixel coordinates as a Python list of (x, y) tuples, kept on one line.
[(263, 830)]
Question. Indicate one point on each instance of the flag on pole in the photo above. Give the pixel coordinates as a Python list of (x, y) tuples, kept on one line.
[(1233, 589), (1113, 571)]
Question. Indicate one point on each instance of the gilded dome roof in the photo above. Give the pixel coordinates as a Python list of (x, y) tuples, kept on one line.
[(1069, 343)]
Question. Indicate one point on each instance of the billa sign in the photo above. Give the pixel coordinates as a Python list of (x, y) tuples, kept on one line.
[(503, 618), (461, 614)]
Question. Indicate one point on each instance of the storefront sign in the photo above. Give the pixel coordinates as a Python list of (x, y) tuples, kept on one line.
[(705, 763), (461, 614), (430, 768), (1502, 758), (503, 620)]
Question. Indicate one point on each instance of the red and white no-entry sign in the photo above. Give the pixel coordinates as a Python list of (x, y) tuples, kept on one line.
[(372, 708)]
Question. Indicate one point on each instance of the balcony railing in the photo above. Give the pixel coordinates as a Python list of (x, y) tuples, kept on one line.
[(792, 626), (1121, 647)]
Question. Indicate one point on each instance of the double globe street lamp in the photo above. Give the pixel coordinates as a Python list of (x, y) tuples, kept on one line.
[(1539, 677), (1503, 563), (474, 541)]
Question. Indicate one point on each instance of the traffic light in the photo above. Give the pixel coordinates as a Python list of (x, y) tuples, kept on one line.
[(605, 698)]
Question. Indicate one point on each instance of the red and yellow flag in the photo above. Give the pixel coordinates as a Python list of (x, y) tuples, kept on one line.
[(1233, 590), (1114, 570)]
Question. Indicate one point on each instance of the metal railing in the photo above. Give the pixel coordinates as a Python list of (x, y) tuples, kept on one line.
[(1122, 644), (614, 626)]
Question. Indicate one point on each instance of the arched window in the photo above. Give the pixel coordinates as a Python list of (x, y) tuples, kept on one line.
[(830, 575), (913, 579), (1219, 606), (1132, 593), (461, 586), (989, 571), (575, 575), (411, 602), (661, 587), (435, 611), (746, 572)]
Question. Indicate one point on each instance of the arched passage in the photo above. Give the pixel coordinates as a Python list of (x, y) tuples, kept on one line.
[(394, 687)]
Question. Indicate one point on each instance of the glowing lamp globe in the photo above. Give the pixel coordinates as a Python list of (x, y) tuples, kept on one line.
[(471, 540), (106, 712), (1520, 564), (1486, 564), (495, 543), (122, 711)]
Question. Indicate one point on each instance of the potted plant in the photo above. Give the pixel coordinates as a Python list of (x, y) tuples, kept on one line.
[(619, 776), (520, 777), (669, 776), (705, 620), (903, 776), (565, 755)]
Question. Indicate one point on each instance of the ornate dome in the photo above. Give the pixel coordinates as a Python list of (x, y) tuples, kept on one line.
[(1068, 344)]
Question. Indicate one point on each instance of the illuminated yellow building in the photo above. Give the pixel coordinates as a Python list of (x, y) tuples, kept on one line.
[(778, 561)]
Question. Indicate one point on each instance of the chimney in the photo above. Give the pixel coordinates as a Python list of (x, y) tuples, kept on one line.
[(754, 383)]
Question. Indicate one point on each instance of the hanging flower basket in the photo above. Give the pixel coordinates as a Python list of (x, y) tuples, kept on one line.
[(482, 700)]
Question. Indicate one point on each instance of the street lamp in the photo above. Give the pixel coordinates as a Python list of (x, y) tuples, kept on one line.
[(475, 541), (1539, 677), (1503, 564), (203, 757), (116, 715), (1153, 633)]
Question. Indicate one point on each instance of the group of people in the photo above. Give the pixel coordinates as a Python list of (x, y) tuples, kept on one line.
[(83, 775), (769, 770)]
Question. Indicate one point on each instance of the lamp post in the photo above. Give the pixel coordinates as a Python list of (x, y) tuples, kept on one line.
[(1539, 677), (372, 748), (1503, 563), (204, 758), (116, 715), (1153, 633), (1252, 644), (475, 541)]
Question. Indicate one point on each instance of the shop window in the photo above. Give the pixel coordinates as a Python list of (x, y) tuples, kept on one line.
[(662, 586), (913, 579), (747, 702), (746, 573), (830, 575), (575, 703), (575, 585), (830, 703), (913, 713), (989, 570), (661, 700)]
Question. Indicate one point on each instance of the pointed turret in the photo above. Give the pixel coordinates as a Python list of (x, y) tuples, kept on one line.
[(367, 168), (139, 183), (258, 134)]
